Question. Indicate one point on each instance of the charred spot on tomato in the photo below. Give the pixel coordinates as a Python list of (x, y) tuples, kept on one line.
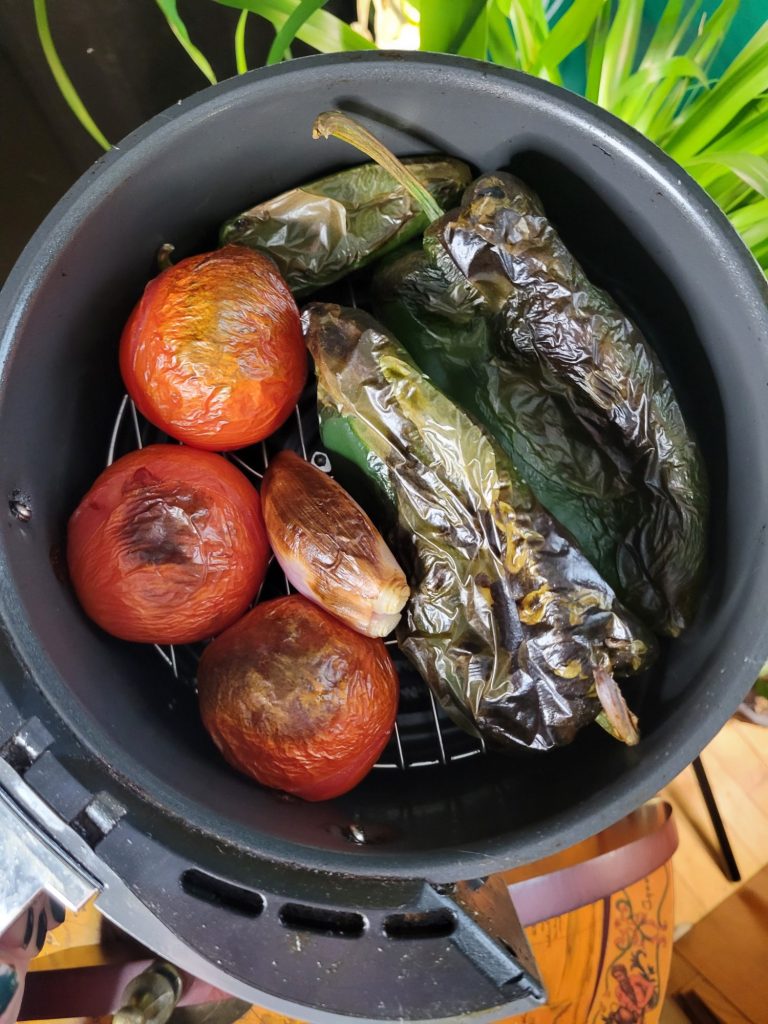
[(142, 477), (163, 528), (157, 538), (297, 700), (169, 546)]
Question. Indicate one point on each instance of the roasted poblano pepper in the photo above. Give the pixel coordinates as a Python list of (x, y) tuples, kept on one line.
[(501, 314), (321, 231), (513, 629), (569, 473)]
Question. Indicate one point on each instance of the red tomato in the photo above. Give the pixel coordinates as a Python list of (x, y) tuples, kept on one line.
[(213, 353), (297, 700), (168, 546)]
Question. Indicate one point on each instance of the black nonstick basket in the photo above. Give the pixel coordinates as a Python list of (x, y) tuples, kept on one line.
[(374, 905)]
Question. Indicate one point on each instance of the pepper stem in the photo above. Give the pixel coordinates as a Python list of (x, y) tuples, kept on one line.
[(615, 718), (164, 253), (334, 123)]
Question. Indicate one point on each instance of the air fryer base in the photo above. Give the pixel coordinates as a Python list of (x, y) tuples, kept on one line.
[(482, 964)]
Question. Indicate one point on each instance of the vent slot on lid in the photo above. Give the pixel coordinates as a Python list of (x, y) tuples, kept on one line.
[(323, 920), (220, 893), (427, 924)]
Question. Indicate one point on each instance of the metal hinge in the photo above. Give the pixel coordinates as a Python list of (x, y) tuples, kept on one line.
[(30, 862)]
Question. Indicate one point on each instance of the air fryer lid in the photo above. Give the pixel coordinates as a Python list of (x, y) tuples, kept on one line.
[(114, 722)]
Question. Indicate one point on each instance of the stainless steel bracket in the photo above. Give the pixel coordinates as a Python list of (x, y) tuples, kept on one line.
[(30, 861)]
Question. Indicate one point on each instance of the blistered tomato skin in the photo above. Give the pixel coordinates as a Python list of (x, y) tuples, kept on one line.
[(297, 700), (213, 353), (168, 546)]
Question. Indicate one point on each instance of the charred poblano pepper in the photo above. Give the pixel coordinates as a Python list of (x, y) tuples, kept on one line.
[(503, 316), (452, 343), (513, 629), (321, 231)]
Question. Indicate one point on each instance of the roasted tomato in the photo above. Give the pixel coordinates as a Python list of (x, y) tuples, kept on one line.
[(213, 353), (297, 700), (168, 546)]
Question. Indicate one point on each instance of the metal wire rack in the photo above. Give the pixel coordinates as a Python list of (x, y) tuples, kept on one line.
[(423, 736)]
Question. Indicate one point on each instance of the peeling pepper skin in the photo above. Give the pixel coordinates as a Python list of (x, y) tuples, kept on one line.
[(328, 228), (503, 318), (508, 623)]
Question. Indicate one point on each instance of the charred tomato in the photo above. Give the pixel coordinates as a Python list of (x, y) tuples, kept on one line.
[(297, 700), (213, 352), (168, 546)]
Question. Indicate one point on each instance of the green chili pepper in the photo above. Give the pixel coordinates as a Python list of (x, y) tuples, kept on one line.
[(513, 629), (321, 231), (502, 316)]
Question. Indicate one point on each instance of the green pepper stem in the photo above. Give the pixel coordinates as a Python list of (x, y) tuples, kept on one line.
[(334, 123)]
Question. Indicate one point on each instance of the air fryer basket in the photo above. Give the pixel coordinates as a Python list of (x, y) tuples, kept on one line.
[(195, 860)]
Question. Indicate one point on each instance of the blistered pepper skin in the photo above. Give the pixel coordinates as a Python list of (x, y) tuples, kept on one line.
[(297, 700), (328, 228), (508, 623), (213, 352), (168, 546), (501, 316), (585, 353)]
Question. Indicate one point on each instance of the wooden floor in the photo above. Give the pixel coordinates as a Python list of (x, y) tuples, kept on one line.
[(736, 762), (720, 963)]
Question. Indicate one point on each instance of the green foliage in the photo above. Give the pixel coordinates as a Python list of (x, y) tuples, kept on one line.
[(290, 28), (61, 77), (662, 84), (320, 30), (241, 61), (179, 29)]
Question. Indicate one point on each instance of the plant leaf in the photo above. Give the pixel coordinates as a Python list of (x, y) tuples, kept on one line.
[(760, 252), (501, 41), (322, 31), (241, 61), (567, 34), (748, 135), (754, 44), (752, 169), (179, 29), (530, 29), (712, 112), (619, 57), (703, 49), (751, 221), (61, 77), (288, 30), (712, 32), (672, 97), (749, 132), (471, 40), (670, 29), (638, 90), (595, 53), (754, 215), (458, 26)]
